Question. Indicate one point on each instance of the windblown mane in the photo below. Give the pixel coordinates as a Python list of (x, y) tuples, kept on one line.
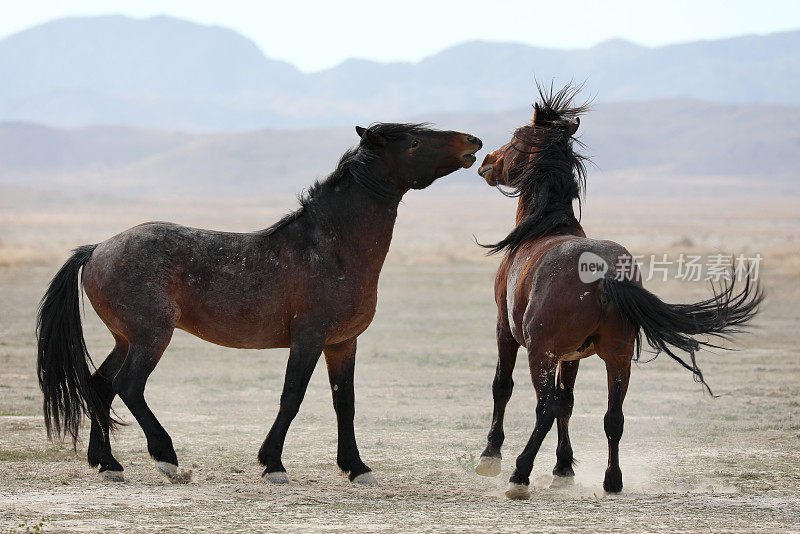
[(353, 165), (554, 176)]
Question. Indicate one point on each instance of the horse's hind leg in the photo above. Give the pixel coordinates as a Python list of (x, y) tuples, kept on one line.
[(341, 360), (303, 357), (100, 441), (619, 372), (565, 383), (144, 353), (543, 373), (502, 386), (617, 356)]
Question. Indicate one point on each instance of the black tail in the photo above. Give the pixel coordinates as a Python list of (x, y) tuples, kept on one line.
[(677, 325), (63, 361)]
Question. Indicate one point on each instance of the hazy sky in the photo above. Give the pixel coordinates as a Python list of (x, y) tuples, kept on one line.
[(318, 34)]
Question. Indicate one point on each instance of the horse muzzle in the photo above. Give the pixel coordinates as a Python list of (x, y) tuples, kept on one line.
[(486, 173)]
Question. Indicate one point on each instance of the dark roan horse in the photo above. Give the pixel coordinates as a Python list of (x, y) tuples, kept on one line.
[(309, 282), (560, 314)]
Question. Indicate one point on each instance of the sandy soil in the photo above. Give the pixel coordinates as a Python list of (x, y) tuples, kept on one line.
[(423, 407)]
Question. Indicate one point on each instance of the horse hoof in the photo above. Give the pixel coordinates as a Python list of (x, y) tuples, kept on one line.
[(366, 479), (613, 480), (112, 476), (518, 491), (276, 477), (489, 466), (171, 472)]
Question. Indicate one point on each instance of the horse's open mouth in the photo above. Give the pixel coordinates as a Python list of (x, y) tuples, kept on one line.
[(484, 170), (467, 160)]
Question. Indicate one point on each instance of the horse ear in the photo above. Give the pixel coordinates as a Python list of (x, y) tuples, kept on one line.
[(369, 137), (537, 111), (573, 126)]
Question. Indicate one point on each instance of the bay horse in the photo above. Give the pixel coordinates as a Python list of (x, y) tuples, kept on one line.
[(308, 282), (560, 310)]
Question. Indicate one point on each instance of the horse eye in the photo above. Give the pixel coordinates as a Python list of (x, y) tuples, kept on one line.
[(414, 143)]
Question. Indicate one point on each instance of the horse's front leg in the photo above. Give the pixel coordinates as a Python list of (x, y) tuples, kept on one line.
[(341, 360), (502, 386), (304, 354)]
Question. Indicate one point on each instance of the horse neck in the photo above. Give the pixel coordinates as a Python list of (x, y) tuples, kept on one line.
[(361, 222), (523, 210), (522, 206)]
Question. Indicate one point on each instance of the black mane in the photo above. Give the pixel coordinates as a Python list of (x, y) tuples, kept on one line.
[(353, 166), (555, 174), (392, 131)]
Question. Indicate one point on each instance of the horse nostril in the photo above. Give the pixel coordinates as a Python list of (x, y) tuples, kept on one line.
[(474, 140)]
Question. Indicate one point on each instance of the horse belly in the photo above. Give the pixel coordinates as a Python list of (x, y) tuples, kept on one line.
[(576, 355), (237, 336), (233, 328)]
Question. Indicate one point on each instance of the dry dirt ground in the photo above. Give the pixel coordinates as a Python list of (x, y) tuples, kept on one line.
[(690, 463)]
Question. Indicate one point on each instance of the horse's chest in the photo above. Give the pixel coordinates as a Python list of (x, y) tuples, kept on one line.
[(355, 315)]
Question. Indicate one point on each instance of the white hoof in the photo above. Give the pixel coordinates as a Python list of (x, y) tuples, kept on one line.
[(171, 472), (277, 477), (367, 479), (488, 466), (112, 476), (518, 491)]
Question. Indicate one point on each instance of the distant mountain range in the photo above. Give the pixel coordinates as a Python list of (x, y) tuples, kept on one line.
[(176, 75), (666, 147)]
